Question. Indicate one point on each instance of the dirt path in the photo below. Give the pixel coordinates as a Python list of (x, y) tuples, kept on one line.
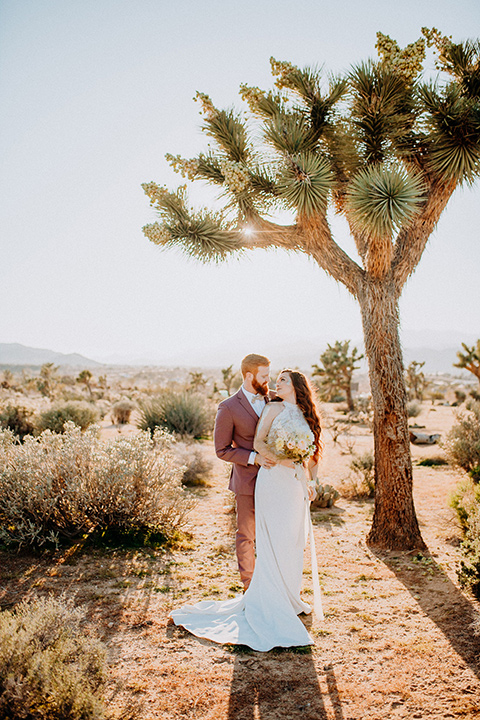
[(396, 642)]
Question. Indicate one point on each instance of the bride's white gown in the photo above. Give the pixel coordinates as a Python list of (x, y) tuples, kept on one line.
[(266, 616)]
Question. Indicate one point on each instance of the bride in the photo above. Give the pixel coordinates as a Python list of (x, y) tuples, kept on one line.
[(266, 616)]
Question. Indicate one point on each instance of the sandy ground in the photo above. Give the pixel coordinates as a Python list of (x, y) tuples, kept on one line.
[(396, 642)]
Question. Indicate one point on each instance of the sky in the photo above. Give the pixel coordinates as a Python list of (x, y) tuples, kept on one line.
[(95, 92)]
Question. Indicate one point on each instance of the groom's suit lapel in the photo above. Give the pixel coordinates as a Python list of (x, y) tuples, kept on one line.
[(245, 404)]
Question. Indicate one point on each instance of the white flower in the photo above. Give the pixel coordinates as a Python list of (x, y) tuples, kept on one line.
[(236, 175)]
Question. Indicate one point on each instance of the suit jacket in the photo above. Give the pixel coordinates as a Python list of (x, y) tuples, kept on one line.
[(233, 436)]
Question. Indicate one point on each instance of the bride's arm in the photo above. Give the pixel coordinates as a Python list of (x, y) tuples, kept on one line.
[(311, 469), (264, 424)]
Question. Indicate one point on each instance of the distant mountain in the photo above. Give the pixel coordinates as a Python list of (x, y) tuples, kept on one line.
[(16, 354)]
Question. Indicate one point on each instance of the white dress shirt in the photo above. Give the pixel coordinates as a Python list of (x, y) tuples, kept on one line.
[(257, 404)]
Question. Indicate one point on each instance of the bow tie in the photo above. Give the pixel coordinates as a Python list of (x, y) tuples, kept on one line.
[(258, 396)]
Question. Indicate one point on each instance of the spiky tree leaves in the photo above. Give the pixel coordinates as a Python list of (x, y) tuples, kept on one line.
[(382, 148), (305, 182), (470, 359), (203, 235), (380, 201)]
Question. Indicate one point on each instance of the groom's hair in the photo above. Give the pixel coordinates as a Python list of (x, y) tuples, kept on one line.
[(251, 363)]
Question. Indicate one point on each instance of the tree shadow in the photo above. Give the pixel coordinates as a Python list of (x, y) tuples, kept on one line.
[(328, 517), (281, 685), (101, 581), (441, 600)]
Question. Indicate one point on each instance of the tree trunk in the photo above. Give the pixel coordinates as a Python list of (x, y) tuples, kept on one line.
[(348, 392), (395, 524)]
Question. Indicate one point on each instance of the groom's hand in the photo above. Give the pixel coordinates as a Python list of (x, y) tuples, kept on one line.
[(264, 461)]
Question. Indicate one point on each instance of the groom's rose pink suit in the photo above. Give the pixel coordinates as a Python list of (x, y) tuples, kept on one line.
[(233, 436)]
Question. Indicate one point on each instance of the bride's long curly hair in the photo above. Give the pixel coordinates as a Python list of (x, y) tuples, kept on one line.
[(305, 396)]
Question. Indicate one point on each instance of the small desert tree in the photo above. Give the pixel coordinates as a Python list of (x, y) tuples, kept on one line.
[(197, 382), (228, 377), (415, 380), (85, 378), (470, 359), (48, 379), (337, 371), (384, 149)]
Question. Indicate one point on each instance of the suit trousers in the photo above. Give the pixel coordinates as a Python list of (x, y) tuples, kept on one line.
[(245, 537)]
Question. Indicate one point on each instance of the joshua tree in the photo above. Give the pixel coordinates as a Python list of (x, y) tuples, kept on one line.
[(228, 377), (337, 370), (48, 379), (387, 151), (415, 380), (197, 381), (85, 378), (470, 359)]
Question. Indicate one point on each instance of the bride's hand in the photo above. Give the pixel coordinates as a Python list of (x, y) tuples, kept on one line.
[(312, 493), (287, 463)]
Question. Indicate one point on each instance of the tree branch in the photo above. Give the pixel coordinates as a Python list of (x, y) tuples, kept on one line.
[(318, 242), (412, 241)]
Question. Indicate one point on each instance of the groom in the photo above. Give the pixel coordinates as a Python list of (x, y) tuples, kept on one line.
[(235, 425)]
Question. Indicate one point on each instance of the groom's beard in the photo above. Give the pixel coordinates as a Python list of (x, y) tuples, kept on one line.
[(262, 389)]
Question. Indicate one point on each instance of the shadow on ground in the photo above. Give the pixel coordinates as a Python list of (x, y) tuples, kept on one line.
[(451, 611), (282, 685)]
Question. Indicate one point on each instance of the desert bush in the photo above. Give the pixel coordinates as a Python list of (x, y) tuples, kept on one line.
[(82, 414), (462, 443), (183, 413), (49, 668), (475, 395), (413, 408), (460, 397), (432, 461), (54, 488), (466, 503), (121, 411), (196, 468), (18, 419), (362, 483)]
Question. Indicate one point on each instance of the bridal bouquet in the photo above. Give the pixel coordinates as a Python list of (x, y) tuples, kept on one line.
[(294, 445)]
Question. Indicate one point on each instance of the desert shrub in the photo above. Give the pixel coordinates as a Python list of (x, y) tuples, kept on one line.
[(362, 483), (82, 414), (466, 503), (432, 461), (462, 443), (183, 413), (49, 668), (413, 408), (54, 488), (196, 468), (121, 411), (18, 419), (475, 395)]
